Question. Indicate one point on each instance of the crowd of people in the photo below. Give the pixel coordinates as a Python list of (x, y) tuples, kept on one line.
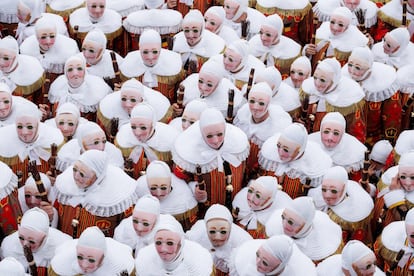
[(223, 137)]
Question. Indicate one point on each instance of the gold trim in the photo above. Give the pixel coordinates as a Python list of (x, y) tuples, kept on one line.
[(347, 109), (348, 225), (30, 89), (391, 20), (286, 13), (82, 35), (65, 13)]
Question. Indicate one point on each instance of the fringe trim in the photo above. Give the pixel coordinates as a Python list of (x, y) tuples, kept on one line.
[(208, 167), (390, 20), (347, 109), (56, 68), (103, 211), (341, 56), (407, 89), (387, 254), (163, 30), (187, 214), (65, 13), (354, 167), (104, 121), (348, 225), (109, 36), (8, 18), (62, 165), (10, 161), (284, 63), (126, 12), (297, 14), (385, 94), (168, 80), (29, 89), (322, 17), (10, 187), (256, 141)]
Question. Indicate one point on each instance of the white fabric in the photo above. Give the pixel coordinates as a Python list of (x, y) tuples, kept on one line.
[(164, 21), (406, 159), (110, 21), (10, 266), (405, 79), (104, 68), (19, 106), (148, 204), (255, 18), (398, 59), (352, 252), (8, 180), (92, 237), (281, 247), (405, 142), (332, 266), (158, 169), (36, 220), (380, 151), (62, 5)]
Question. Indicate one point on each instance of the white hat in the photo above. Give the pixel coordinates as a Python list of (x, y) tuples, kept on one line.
[(409, 217), (144, 110), (170, 223), (36, 8), (302, 61), (5, 88), (148, 204), (344, 12), (217, 11), (305, 208), (334, 117), (241, 47), (97, 35), (32, 112), (95, 160), (243, 5), (363, 53), (194, 16), (218, 211), (211, 116), (337, 173), (30, 182), (69, 108), (78, 58), (10, 266), (212, 67), (298, 134), (275, 22), (263, 88), (150, 36), (352, 252), (272, 76), (133, 84), (402, 36), (45, 23), (333, 66), (158, 169), (407, 159), (35, 219), (195, 106), (380, 151), (93, 237), (9, 43), (86, 129), (269, 183), (281, 247)]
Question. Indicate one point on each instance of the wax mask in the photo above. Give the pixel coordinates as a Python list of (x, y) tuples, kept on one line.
[(213, 22), (357, 68), (332, 191), (331, 134), (143, 222), (83, 175), (231, 60), (32, 196), (5, 104), (89, 258), (167, 244), (292, 223), (338, 24), (258, 104), (298, 73), (31, 238), (129, 99), (365, 266), (46, 38), (188, 119), (406, 176), (27, 128), (95, 140), (207, 83), (218, 231), (67, 123), (268, 35), (409, 229), (7, 58), (92, 52), (258, 196), (214, 135), (265, 261), (160, 187), (287, 149), (96, 8), (230, 8), (150, 52), (323, 80), (192, 32), (75, 73), (23, 13), (352, 4), (142, 128), (390, 45)]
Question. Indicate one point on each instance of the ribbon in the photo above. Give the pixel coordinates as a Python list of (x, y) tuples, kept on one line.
[(35, 153), (150, 79), (221, 155), (137, 151)]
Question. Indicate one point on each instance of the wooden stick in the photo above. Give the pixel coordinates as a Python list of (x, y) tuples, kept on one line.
[(404, 13), (32, 167), (250, 82), (230, 105), (180, 96), (364, 179), (29, 257), (52, 159)]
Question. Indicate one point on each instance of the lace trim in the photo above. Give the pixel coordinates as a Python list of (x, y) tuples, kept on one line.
[(390, 20), (406, 88), (379, 96), (205, 168), (62, 165), (10, 187), (161, 29), (8, 18)]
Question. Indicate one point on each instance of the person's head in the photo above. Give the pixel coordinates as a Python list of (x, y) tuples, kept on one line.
[(75, 68), (33, 228), (150, 47), (292, 142), (274, 254), (143, 121), (332, 129), (352, 5), (132, 93), (90, 168), (334, 185), (91, 136), (153, 4), (67, 118), (234, 9), (218, 221), (193, 25), (93, 46), (169, 239), (212, 127), (406, 171), (192, 112), (145, 215), (29, 10), (396, 41), (409, 226), (300, 70), (261, 192), (9, 51), (32, 195), (10, 266), (96, 8), (327, 75), (259, 99), (209, 77), (235, 56), (360, 63), (90, 249), (6, 101), (358, 259), (271, 30), (46, 32), (27, 125), (158, 177), (272, 77), (340, 19), (213, 18), (297, 219), (380, 153)]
